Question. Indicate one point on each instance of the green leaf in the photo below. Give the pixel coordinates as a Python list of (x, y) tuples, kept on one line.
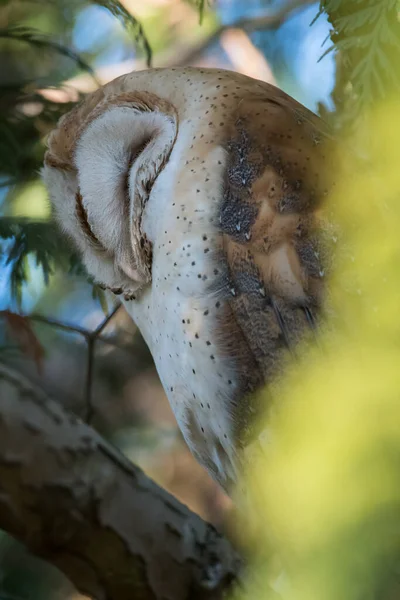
[(366, 35)]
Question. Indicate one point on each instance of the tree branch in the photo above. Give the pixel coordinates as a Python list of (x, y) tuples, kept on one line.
[(76, 501), (250, 24)]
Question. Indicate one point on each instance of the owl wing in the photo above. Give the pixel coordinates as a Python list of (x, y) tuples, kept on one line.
[(272, 230)]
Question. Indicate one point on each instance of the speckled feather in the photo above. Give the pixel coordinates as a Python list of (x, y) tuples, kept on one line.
[(232, 215)]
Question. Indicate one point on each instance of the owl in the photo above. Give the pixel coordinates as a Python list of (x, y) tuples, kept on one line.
[(196, 195)]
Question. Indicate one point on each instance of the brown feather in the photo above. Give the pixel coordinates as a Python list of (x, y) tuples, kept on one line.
[(275, 183)]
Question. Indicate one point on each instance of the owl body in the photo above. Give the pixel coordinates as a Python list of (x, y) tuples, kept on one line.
[(196, 193)]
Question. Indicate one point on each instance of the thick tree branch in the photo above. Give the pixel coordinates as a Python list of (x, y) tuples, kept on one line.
[(76, 501)]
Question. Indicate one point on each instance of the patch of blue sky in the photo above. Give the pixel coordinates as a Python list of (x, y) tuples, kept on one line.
[(79, 308), (97, 29), (5, 272), (4, 189), (296, 44), (32, 290), (302, 47)]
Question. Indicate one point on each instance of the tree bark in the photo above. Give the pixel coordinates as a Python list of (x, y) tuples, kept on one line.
[(76, 501)]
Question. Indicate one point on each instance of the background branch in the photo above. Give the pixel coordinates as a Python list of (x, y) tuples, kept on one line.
[(76, 501), (260, 23), (90, 336)]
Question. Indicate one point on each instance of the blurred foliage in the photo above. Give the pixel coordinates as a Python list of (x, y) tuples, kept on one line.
[(326, 485), (366, 37), (39, 239)]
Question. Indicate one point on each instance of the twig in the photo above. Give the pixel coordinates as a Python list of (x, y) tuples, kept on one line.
[(91, 337), (91, 340), (106, 321), (89, 379), (86, 333), (59, 325), (262, 22)]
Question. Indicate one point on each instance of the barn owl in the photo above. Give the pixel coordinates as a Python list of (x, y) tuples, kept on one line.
[(195, 194)]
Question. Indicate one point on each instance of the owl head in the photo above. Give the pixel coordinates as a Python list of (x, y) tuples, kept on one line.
[(100, 167), (104, 159)]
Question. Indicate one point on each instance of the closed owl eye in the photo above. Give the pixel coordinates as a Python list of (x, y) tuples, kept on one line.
[(84, 223), (135, 152)]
